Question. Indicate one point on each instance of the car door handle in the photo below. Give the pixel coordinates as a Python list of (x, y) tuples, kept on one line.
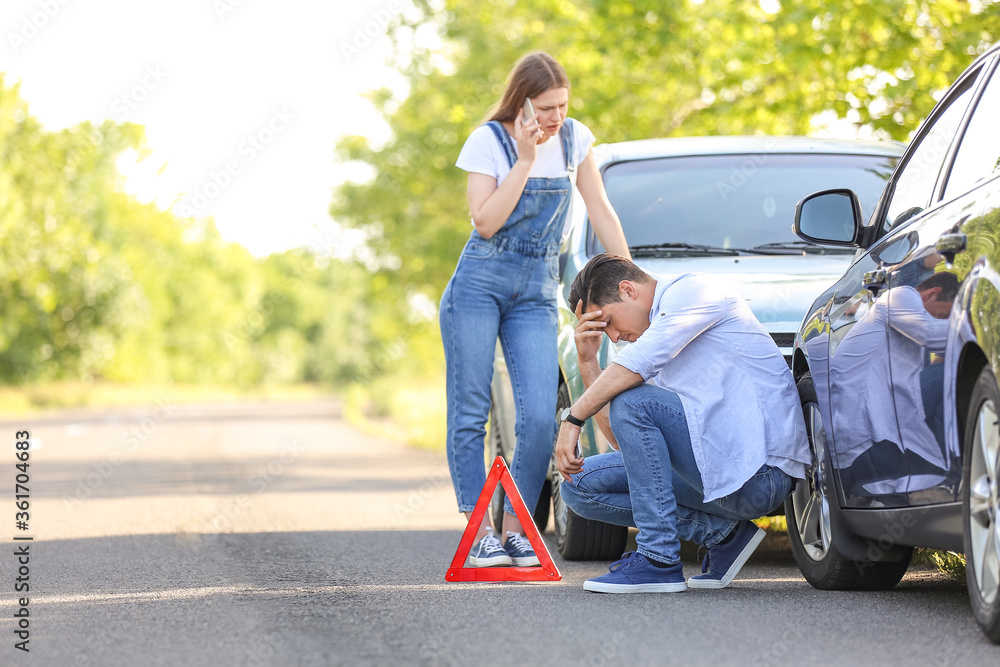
[(950, 245)]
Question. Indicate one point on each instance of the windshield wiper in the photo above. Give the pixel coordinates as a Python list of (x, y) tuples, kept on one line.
[(655, 248), (804, 246)]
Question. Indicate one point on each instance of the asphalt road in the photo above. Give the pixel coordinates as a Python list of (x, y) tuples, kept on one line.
[(272, 534)]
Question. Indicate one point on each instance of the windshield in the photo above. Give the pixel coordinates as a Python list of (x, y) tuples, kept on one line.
[(731, 201)]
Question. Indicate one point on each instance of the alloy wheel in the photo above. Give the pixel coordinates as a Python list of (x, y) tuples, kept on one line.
[(809, 500), (984, 502)]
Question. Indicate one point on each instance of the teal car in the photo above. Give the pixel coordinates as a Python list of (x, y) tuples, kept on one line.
[(719, 205)]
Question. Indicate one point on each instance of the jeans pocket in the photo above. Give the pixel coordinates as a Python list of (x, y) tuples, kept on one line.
[(479, 250), (537, 202)]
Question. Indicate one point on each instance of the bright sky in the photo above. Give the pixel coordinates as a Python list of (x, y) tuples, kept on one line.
[(242, 100)]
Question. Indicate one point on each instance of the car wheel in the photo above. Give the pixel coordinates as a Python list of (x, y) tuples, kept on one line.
[(808, 513), (497, 448), (981, 504), (578, 538)]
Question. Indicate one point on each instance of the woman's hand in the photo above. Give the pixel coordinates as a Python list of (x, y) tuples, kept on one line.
[(587, 334), (527, 132)]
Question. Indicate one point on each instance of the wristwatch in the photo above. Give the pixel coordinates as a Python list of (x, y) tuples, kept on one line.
[(567, 417)]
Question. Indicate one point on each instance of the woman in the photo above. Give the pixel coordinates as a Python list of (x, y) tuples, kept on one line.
[(520, 186)]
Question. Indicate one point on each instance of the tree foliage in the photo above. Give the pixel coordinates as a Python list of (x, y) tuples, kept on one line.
[(96, 285), (642, 69)]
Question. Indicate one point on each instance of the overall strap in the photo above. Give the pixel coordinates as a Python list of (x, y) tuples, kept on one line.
[(569, 147), (504, 139)]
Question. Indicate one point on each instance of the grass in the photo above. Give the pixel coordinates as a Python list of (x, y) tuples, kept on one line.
[(948, 562), (410, 410)]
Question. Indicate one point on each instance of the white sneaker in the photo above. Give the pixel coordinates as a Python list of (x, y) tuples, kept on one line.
[(488, 552)]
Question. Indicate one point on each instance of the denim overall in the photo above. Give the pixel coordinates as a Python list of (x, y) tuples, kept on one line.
[(506, 286)]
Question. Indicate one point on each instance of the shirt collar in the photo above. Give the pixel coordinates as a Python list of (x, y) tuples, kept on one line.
[(662, 285)]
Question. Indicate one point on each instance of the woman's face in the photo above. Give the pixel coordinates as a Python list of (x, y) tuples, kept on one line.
[(551, 107)]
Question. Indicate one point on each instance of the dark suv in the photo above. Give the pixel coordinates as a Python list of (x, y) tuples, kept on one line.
[(897, 363)]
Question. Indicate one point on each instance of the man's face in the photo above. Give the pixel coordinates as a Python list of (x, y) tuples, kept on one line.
[(939, 309), (626, 319)]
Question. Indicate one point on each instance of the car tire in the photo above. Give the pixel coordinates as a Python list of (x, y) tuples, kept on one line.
[(981, 504), (496, 448), (578, 538), (809, 517)]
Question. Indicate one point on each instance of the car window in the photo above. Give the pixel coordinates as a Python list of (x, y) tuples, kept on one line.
[(731, 201), (915, 183), (978, 157)]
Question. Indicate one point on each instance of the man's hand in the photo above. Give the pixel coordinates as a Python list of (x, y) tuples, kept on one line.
[(567, 461), (588, 333)]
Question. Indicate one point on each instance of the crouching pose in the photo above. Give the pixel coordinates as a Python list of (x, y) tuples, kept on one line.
[(702, 411)]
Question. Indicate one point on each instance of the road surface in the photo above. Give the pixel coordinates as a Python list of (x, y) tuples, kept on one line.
[(276, 534)]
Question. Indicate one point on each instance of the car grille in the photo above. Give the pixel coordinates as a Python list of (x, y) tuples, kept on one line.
[(783, 339)]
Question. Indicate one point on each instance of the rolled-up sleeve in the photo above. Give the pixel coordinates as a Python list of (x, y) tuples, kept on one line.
[(686, 309)]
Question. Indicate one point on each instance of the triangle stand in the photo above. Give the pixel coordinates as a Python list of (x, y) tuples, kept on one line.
[(500, 473)]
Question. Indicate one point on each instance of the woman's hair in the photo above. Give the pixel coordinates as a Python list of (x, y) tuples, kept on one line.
[(533, 74)]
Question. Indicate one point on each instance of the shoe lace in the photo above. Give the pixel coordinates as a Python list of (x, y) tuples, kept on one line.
[(490, 544), (520, 541), (621, 562)]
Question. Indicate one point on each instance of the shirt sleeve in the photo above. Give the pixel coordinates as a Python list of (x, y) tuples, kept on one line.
[(686, 309), (479, 154), (908, 316)]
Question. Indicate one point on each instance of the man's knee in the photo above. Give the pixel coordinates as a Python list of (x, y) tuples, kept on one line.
[(624, 405)]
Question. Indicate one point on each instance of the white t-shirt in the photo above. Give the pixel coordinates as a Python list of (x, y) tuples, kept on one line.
[(483, 154)]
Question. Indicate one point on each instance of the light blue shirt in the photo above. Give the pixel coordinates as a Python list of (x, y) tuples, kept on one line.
[(704, 344)]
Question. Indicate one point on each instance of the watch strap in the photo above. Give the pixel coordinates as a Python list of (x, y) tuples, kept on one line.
[(573, 420)]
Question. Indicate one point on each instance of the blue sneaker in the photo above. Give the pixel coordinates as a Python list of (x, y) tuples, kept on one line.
[(723, 561), (635, 574), (519, 549), (488, 552)]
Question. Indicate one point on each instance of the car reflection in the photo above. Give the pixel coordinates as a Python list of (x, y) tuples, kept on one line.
[(872, 392)]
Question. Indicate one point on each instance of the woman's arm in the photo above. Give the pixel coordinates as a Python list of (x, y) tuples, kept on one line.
[(489, 205), (606, 223)]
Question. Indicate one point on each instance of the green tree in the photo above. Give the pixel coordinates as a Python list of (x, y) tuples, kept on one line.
[(94, 284), (64, 293), (641, 69)]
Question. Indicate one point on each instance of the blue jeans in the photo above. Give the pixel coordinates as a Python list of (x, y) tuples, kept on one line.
[(653, 482), (505, 287), (500, 292)]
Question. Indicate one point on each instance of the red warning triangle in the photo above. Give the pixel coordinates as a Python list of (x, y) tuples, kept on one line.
[(548, 570)]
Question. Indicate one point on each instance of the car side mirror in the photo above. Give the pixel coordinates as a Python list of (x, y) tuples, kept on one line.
[(830, 217)]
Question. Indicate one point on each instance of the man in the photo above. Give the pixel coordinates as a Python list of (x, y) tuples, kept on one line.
[(703, 412)]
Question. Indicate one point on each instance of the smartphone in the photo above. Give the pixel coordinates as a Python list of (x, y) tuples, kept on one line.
[(577, 452), (529, 110)]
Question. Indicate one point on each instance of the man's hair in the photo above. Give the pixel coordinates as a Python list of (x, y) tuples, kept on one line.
[(948, 282), (597, 283)]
